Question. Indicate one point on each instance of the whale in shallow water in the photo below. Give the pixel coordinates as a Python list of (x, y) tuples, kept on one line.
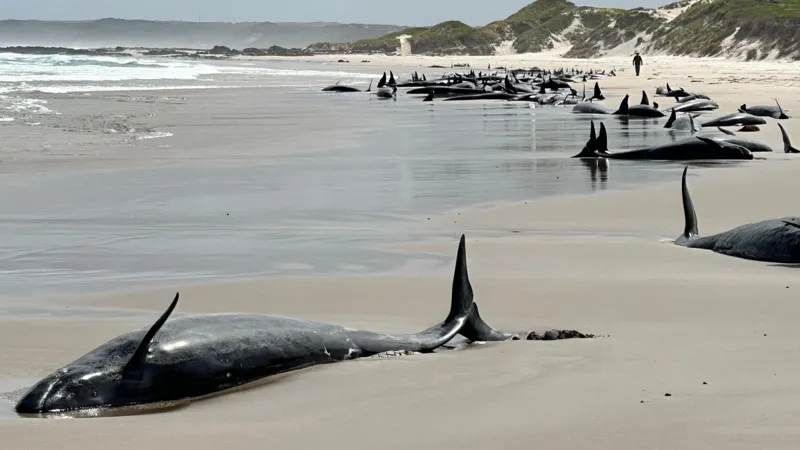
[(344, 88), (637, 110), (684, 123), (197, 355), (694, 148), (773, 240)]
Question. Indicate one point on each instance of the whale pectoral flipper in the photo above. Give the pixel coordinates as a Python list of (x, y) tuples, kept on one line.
[(137, 360)]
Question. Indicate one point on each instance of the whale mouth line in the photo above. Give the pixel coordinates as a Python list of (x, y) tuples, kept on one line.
[(107, 410)]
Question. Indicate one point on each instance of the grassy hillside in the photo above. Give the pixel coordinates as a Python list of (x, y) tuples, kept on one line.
[(748, 28), (711, 28)]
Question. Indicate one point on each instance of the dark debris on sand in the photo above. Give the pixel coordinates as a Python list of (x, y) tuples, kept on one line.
[(555, 335)]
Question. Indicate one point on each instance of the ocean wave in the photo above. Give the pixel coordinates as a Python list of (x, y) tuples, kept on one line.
[(53, 68), (72, 88), (22, 105)]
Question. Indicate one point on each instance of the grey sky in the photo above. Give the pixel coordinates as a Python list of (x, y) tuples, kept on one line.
[(395, 12)]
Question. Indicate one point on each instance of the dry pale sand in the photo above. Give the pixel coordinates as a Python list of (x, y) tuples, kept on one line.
[(671, 320)]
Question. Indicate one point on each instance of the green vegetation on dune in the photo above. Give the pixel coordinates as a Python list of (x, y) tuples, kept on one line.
[(704, 28), (452, 37), (385, 44), (611, 28)]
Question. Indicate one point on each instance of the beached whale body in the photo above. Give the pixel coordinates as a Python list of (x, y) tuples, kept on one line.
[(774, 240), (343, 88), (637, 110), (196, 355), (694, 148), (734, 119), (776, 112)]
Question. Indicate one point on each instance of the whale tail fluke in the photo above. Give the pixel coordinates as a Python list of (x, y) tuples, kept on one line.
[(476, 330), (787, 144), (460, 309), (781, 112), (369, 89), (461, 296), (589, 149), (689, 215)]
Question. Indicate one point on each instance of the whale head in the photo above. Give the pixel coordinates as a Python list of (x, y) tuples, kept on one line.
[(75, 388), (112, 375)]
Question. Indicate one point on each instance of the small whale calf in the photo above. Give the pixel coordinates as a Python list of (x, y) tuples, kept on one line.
[(773, 240), (193, 356)]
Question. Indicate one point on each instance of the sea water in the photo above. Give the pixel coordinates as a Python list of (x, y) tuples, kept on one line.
[(355, 172)]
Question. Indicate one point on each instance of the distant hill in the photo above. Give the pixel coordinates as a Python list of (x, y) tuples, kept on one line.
[(748, 29), (158, 34)]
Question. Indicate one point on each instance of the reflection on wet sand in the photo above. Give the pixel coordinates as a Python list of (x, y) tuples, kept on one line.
[(597, 165)]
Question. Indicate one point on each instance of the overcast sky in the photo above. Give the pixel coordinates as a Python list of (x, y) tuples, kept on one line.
[(396, 12)]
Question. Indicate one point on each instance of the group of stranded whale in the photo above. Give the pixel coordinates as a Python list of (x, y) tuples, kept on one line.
[(553, 88), (193, 356)]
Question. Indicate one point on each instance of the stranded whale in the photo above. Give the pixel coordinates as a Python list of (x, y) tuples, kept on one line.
[(694, 148), (196, 355), (773, 240)]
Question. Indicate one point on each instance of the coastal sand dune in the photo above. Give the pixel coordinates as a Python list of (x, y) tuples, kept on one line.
[(717, 334)]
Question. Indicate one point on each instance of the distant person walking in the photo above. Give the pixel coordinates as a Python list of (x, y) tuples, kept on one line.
[(637, 62)]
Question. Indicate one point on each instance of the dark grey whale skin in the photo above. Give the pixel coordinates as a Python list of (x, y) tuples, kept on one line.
[(196, 355), (773, 240)]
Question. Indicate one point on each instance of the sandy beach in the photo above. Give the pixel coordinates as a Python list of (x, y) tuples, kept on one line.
[(695, 350)]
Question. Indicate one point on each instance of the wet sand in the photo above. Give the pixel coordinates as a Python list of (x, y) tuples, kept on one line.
[(671, 319)]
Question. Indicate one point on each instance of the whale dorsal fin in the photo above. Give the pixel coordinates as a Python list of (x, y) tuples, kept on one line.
[(623, 106), (137, 360), (689, 215), (645, 100)]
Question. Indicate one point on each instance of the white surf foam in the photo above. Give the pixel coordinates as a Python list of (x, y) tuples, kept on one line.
[(16, 68), (155, 135)]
